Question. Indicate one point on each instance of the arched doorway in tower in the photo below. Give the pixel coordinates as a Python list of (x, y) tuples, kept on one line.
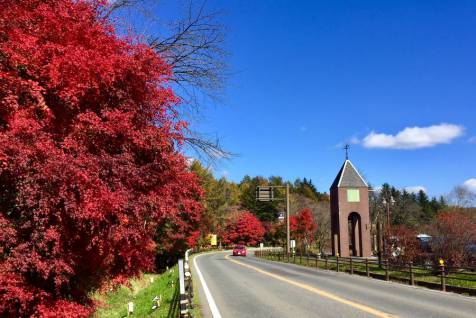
[(355, 234)]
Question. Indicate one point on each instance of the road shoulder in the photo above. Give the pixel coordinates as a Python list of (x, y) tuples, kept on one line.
[(203, 301)]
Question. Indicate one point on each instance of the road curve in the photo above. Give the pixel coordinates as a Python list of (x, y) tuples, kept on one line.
[(251, 287)]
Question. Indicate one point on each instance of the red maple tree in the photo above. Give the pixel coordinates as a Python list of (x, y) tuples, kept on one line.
[(91, 180), (454, 234), (402, 245), (243, 227), (303, 227), (275, 233)]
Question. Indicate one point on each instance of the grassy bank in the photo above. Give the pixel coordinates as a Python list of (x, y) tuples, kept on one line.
[(141, 291)]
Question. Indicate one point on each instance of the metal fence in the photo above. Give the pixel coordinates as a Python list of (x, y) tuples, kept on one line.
[(455, 279), (185, 286)]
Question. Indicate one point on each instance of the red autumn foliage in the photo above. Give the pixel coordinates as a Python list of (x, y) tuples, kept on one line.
[(90, 172), (455, 232), (275, 233), (303, 227), (402, 245), (243, 227)]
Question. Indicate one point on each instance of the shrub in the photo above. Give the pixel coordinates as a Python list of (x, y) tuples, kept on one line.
[(455, 232)]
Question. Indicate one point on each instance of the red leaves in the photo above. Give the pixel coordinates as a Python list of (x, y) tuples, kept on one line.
[(62, 309), (91, 185), (402, 245), (243, 228), (455, 232), (303, 227)]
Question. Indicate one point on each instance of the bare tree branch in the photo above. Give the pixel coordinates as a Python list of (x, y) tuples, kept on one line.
[(193, 46), (207, 150), (461, 197), (194, 50), (118, 4)]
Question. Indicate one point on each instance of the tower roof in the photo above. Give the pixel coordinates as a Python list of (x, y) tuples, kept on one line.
[(348, 177)]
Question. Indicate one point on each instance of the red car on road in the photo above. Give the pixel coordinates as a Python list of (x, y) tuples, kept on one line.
[(239, 250)]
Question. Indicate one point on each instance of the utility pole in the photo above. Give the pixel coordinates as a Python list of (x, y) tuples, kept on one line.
[(266, 194), (388, 217), (379, 242), (387, 202), (288, 248)]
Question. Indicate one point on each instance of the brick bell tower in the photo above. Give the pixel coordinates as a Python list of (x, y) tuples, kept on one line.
[(350, 215)]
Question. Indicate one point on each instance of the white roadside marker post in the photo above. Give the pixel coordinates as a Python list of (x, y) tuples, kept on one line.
[(130, 308)]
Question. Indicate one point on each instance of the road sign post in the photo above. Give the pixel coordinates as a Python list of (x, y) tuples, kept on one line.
[(287, 219), (266, 194)]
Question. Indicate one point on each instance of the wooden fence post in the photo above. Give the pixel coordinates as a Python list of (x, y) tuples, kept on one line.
[(412, 276), (337, 260), (367, 266), (443, 280), (351, 266), (327, 262), (387, 276)]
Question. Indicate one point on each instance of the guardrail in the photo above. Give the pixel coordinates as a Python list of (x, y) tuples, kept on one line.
[(445, 278), (185, 286)]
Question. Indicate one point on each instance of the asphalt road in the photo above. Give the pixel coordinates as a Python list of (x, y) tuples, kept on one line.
[(251, 287)]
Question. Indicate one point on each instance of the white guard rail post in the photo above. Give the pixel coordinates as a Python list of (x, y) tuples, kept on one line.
[(186, 286)]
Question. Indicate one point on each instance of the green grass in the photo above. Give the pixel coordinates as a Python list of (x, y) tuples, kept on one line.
[(140, 291)]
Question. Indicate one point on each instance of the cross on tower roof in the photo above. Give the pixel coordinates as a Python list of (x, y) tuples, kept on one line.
[(346, 147)]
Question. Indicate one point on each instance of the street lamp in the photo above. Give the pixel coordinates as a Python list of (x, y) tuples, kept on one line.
[(380, 239), (387, 204)]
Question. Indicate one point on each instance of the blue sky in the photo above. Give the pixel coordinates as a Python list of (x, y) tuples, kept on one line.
[(308, 76)]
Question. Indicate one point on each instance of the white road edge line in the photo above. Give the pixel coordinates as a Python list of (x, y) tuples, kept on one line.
[(210, 300)]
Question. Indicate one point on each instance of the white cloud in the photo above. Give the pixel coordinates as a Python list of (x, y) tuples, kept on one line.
[(225, 173), (415, 189), (378, 189), (470, 184), (472, 140), (354, 140), (414, 137), (189, 161)]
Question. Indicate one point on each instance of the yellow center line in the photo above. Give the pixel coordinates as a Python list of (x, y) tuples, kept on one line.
[(320, 292)]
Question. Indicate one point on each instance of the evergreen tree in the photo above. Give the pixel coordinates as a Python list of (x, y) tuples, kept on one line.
[(265, 211)]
